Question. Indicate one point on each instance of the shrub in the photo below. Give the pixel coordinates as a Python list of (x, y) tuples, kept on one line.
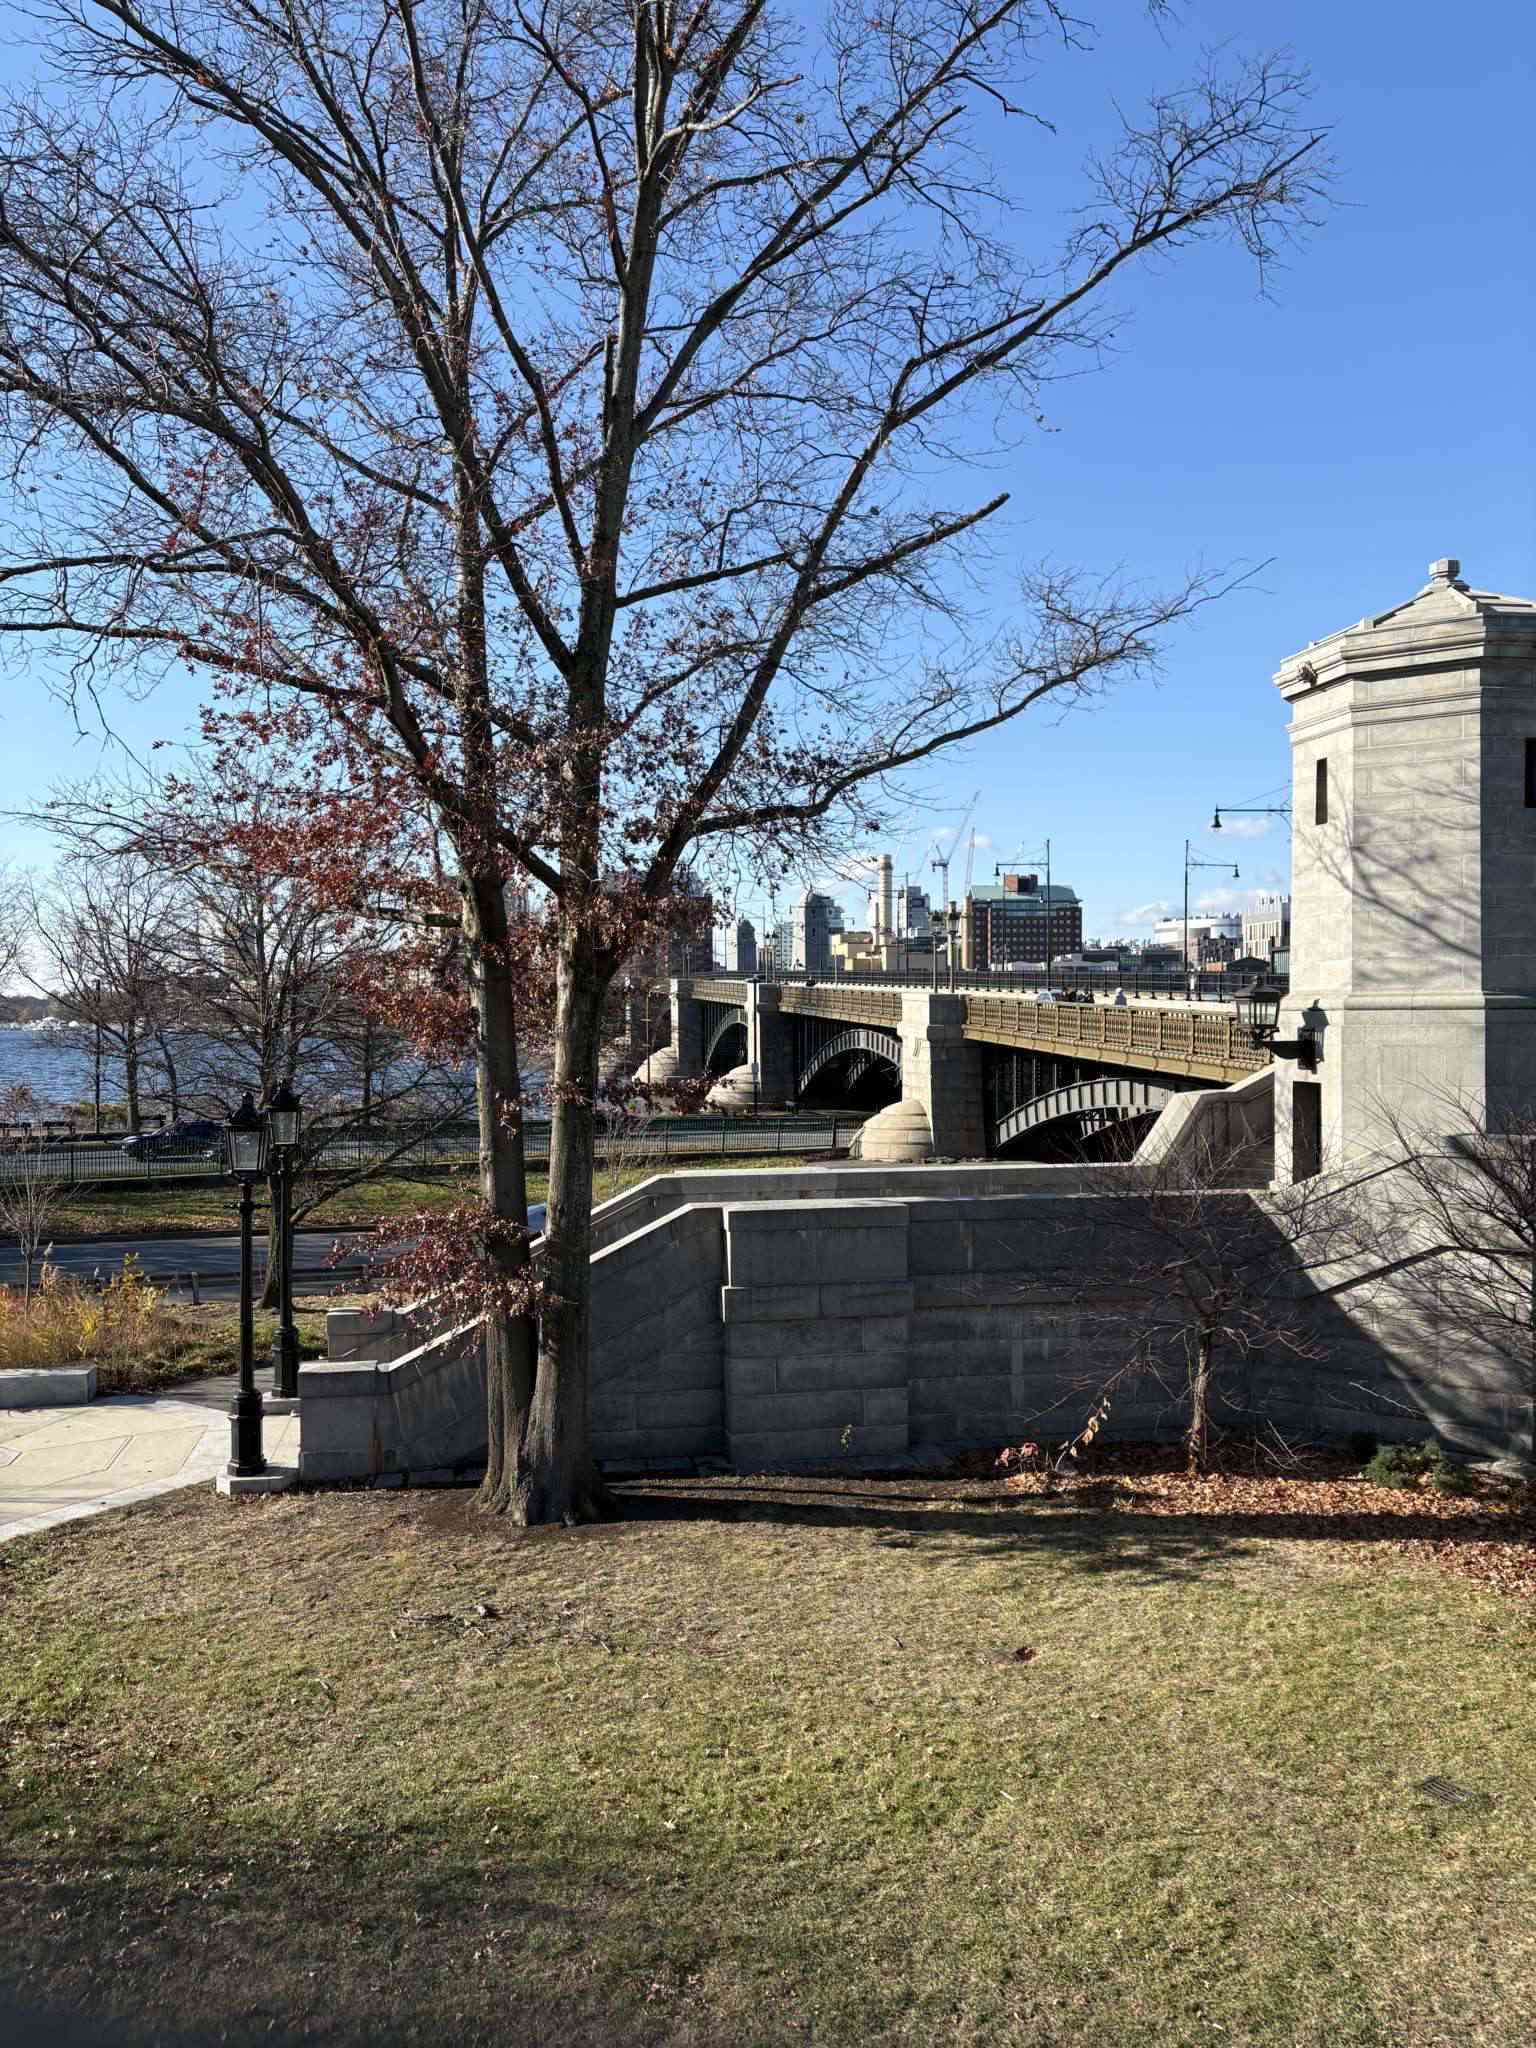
[(119, 1327), (1408, 1465)]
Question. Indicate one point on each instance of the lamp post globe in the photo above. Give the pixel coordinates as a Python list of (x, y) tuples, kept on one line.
[(1258, 1008), (284, 1116), (246, 1139)]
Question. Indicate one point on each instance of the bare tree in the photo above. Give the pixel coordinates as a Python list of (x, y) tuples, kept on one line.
[(1453, 1222), (1189, 1276), (32, 1191), (104, 939), (263, 979), (13, 924), (566, 453)]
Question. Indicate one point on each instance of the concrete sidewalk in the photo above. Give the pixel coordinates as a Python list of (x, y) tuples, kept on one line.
[(58, 1464)]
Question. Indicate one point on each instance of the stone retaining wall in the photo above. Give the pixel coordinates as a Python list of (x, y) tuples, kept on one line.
[(777, 1333)]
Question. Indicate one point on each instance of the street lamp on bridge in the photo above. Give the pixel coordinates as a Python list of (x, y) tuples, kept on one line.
[(1191, 862)]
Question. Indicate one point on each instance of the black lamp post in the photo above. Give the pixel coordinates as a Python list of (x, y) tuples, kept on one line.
[(1191, 862), (245, 1156), (284, 1115), (1258, 1008)]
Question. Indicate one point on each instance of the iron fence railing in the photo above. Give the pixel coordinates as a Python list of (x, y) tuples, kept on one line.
[(83, 1164)]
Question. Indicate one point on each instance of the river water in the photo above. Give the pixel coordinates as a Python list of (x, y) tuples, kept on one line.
[(59, 1068), (53, 1066)]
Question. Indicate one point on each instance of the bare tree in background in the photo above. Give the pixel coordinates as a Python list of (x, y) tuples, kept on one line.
[(1185, 1276), (1453, 1220), (264, 981), (103, 933), (32, 1190), (13, 925), (585, 444)]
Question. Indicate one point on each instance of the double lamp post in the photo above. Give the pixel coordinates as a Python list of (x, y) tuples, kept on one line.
[(261, 1144)]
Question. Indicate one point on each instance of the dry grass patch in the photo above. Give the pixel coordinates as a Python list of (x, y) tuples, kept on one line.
[(761, 1764)]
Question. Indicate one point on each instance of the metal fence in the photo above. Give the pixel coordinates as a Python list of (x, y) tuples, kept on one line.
[(396, 1150)]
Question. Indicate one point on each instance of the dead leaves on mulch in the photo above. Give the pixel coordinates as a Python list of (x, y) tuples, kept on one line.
[(1488, 1535)]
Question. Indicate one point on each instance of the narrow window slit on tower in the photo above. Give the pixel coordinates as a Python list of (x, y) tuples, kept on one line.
[(1320, 812), (1530, 775)]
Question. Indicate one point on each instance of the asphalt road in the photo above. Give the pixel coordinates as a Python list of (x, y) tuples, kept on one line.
[(214, 1260)]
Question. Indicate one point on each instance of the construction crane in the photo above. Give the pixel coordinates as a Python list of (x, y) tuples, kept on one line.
[(940, 861)]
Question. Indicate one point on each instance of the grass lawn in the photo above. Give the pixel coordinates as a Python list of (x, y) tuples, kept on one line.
[(165, 1209), (765, 1764)]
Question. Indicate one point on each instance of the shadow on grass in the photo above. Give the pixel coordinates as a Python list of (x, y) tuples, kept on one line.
[(337, 1943), (1082, 1531)]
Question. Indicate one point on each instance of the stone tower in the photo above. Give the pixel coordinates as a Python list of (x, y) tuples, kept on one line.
[(1413, 954)]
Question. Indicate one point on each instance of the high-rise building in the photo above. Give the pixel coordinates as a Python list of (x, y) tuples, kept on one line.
[(741, 947), (1267, 926), (912, 911), (817, 917), (1022, 919)]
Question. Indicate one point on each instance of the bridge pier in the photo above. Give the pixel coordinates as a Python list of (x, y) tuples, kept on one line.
[(770, 1045), (941, 1073), (687, 1032)]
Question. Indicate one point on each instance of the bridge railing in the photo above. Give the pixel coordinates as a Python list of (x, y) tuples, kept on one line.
[(845, 1000), (1207, 1038), (1197, 986)]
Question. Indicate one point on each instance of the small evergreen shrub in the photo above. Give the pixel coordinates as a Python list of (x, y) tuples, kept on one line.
[(1409, 1465)]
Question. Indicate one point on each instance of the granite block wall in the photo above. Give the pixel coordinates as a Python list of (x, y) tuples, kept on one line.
[(776, 1334)]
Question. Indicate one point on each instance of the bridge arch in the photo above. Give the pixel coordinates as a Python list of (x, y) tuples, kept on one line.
[(865, 1048), (1111, 1098), (721, 1050)]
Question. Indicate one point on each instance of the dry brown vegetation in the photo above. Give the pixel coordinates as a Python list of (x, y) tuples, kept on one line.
[(133, 1332)]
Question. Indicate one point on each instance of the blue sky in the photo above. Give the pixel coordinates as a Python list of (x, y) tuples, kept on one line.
[(1373, 412)]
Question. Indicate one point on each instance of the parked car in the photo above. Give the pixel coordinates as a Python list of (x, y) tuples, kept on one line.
[(191, 1138)]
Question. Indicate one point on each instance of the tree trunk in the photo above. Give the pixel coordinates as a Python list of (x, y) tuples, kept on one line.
[(509, 1337), (1197, 1439), (269, 1287), (559, 1481), (131, 1076), (172, 1083)]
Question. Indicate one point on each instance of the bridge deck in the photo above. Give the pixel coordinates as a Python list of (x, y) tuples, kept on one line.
[(1207, 1045), (1199, 1040)]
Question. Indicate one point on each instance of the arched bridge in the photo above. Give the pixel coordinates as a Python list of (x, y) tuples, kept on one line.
[(865, 1042), (720, 1028), (1111, 1098)]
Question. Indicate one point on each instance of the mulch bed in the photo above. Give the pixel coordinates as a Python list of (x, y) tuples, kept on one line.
[(1488, 1535)]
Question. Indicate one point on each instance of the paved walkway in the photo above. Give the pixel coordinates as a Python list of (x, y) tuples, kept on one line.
[(57, 1464)]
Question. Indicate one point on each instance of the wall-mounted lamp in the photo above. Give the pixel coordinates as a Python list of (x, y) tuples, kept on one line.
[(1258, 1008)]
